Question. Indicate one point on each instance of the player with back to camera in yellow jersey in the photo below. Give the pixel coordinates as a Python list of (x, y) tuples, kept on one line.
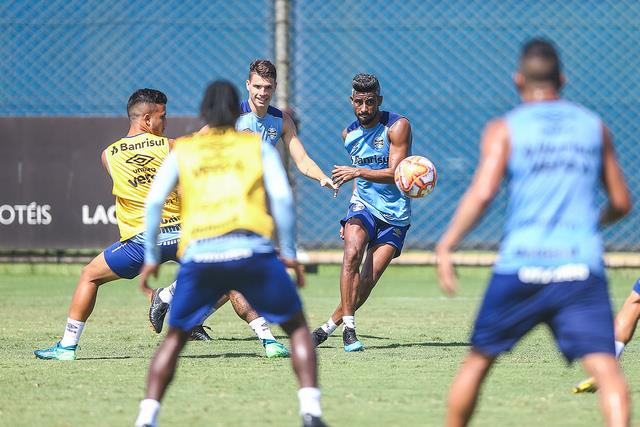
[(234, 190), (257, 115)]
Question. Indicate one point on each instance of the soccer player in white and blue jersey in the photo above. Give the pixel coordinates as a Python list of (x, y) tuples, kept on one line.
[(550, 267), (379, 214)]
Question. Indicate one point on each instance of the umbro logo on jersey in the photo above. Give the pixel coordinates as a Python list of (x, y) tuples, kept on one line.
[(378, 143), (140, 160), (272, 133)]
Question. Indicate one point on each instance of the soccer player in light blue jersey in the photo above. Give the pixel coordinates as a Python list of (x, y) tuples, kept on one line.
[(550, 268), (378, 217)]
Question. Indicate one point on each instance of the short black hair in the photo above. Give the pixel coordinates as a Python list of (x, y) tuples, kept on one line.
[(220, 105), (264, 68), (546, 67), (365, 83), (145, 96)]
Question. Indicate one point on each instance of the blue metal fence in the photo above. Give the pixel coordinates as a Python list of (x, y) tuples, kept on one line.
[(445, 65)]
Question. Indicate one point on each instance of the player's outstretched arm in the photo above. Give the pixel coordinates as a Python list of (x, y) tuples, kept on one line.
[(494, 155), (400, 145), (165, 181), (614, 183), (304, 163)]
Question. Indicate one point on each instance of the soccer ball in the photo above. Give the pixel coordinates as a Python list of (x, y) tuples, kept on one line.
[(415, 176)]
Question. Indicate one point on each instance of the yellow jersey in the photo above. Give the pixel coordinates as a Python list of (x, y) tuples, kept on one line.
[(222, 188), (133, 162)]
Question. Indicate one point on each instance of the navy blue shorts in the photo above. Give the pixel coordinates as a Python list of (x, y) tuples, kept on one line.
[(578, 313), (126, 258), (379, 232), (260, 278)]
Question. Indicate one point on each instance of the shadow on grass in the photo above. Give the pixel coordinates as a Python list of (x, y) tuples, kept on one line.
[(185, 356), (419, 344), (413, 344), (223, 355)]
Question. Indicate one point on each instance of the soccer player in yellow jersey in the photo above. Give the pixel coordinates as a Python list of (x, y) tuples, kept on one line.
[(132, 163), (229, 183)]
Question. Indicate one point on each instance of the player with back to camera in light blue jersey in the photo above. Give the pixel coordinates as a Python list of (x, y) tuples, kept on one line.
[(550, 268), (272, 124), (378, 217)]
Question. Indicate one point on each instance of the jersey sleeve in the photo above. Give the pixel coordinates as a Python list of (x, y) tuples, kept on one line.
[(280, 200)]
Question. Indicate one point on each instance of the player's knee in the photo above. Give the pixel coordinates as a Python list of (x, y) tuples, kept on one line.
[(353, 255)]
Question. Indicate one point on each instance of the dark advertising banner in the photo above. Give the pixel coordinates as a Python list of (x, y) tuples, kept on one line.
[(54, 191)]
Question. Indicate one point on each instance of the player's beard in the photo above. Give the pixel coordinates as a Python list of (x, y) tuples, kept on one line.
[(367, 120)]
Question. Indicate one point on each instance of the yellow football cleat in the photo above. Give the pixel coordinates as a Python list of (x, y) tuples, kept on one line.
[(586, 386)]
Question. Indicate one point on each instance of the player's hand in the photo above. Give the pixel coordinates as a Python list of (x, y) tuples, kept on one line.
[(328, 183), (342, 232), (297, 268), (446, 272), (148, 270), (342, 174)]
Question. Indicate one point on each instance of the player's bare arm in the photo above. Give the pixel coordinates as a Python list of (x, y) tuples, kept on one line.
[(304, 163), (491, 168), (400, 145), (105, 162), (614, 183)]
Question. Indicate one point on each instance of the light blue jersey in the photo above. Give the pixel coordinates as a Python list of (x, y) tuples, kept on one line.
[(369, 148), (555, 169), (269, 126)]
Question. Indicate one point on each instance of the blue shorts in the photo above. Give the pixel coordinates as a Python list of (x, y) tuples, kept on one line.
[(379, 232), (260, 278), (636, 287), (126, 258), (578, 313)]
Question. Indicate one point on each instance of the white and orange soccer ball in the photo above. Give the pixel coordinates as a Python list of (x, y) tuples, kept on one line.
[(415, 176)]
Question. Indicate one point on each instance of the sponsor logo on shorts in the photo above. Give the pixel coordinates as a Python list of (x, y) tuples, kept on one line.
[(230, 255), (357, 207), (140, 160), (563, 273), (397, 232)]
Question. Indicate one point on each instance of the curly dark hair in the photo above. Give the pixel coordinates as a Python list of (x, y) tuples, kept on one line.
[(365, 83)]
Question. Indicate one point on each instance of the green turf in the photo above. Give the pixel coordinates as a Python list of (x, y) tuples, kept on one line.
[(414, 336)]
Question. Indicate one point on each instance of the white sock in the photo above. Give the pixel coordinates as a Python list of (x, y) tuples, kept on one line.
[(329, 326), (349, 322), (261, 328), (619, 348), (309, 398), (72, 332), (166, 294), (148, 414)]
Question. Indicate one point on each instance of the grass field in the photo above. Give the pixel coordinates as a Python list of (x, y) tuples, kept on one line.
[(414, 336)]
